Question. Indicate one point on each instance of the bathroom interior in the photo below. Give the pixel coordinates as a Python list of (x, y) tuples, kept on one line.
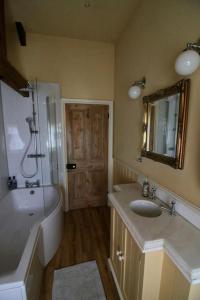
[(99, 152)]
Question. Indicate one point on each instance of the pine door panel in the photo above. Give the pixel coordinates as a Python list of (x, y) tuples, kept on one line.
[(77, 182), (97, 135), (87, 147), (76, 124)]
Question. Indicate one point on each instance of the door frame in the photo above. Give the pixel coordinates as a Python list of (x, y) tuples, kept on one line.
[(109, 103)]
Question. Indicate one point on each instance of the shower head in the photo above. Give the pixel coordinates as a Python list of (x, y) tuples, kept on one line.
[(27, 89), (29, 120)]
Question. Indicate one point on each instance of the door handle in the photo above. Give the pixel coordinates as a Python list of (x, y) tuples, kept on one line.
[(70, 166)]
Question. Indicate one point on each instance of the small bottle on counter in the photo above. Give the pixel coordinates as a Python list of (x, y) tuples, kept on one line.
[(9, 183), (145, 188), (14, 183)]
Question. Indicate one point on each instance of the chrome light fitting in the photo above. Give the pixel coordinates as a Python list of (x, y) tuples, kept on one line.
[(135, 90), (189, 60)]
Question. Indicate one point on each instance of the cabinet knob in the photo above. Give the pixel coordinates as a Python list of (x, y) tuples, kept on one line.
[(121, 257), (118, 252)]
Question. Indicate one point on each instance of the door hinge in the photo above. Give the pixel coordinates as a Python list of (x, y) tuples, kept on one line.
[(108, 115)]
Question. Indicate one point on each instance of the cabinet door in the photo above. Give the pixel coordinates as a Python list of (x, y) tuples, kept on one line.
[(117, 244), (133, 269)]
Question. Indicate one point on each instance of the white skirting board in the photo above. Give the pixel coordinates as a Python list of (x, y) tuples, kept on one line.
[(115, 279)]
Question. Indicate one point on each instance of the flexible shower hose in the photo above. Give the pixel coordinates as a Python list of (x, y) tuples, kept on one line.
[(23, 172)]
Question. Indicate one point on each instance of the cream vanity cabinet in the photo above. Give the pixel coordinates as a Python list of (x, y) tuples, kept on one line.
[(137, 274), (126, 258), (174, 285), (145, 276)]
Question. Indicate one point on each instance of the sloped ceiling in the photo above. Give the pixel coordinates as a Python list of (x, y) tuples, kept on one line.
[(99, 20)]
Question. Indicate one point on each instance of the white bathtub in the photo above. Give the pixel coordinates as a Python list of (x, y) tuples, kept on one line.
[(31, 224)]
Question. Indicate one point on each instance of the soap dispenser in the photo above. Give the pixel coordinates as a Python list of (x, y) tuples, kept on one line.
[(145, 188)]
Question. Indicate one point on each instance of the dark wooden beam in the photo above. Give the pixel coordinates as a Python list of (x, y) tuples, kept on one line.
[(21, 33), (12, 77), (2, 31), (8, 73)]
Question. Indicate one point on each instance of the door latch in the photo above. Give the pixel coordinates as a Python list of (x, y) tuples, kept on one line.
[(70, 166)]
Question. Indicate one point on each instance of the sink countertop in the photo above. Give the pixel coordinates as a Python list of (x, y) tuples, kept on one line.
[(179, 238)]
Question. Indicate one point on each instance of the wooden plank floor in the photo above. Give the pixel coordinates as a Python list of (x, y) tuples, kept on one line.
[(86, 237)]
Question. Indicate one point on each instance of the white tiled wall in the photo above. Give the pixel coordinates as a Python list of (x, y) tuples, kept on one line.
[(15, 110)]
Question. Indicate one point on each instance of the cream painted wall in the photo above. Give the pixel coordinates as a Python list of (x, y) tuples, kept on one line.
[(158, 31), (85, 69)]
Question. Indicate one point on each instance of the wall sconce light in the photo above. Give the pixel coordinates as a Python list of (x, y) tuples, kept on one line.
[(189, 60), (135, 90)]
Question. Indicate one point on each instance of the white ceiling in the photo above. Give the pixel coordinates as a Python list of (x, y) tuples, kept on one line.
[(104, 20)]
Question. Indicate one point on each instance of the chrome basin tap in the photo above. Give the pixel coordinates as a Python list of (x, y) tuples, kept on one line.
[(152, 193), (171, 209)]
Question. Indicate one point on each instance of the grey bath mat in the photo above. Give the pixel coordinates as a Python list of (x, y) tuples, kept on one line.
[(79, 282)]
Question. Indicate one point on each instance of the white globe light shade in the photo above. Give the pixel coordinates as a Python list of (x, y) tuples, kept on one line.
[(187, 62), (134, 92)]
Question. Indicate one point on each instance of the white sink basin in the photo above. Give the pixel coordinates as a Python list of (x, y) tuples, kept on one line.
[(145, 208)]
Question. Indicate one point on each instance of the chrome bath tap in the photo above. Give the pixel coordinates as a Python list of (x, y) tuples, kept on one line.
[(32, 184)]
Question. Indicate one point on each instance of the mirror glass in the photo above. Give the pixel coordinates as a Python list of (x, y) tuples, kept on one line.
[(163, 125)]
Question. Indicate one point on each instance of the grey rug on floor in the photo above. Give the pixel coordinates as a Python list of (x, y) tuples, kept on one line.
[(79, 282)]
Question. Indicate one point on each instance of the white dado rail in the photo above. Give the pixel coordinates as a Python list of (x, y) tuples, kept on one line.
[(127, 174)]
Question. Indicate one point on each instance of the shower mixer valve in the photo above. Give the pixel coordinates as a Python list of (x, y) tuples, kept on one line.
[(36, 155)]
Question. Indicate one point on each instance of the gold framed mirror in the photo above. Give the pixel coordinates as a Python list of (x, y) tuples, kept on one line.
[(165, 124)]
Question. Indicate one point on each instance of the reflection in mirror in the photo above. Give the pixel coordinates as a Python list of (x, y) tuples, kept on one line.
[(165, 122), (163, 125)]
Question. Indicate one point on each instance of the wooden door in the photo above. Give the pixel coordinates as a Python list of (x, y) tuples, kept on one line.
[(87, 147)]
